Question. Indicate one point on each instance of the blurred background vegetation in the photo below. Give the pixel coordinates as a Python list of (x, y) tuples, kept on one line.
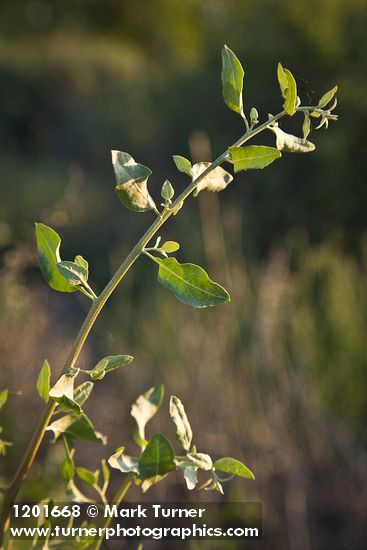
[(278, 377)]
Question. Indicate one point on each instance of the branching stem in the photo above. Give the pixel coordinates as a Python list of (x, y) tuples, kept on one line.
[(96, 307)]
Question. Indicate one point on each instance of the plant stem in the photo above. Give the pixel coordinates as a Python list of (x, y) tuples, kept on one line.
[(98, 304), (119, 497)]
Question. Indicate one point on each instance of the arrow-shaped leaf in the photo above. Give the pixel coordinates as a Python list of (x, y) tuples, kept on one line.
[(215, 181), (131, 182), (144, 408), (182, 164)]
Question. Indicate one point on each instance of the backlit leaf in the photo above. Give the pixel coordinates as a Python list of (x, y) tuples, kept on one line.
[(123, 462), (79, 260), (82, 392), (190, 283), (108, 364), (200, 460), (182, 164), (292, 144), (43, 381), (48, 251), (215, 181), (170, 246), (326, 98), (131, 182), (63, 392), (191, 477), (76, 427), (232, 80), (74, 273), (288, 88), (233, 466), (64, 386), (89, 477), (252, 157), (144, 408), (179, 417), (167, 191)]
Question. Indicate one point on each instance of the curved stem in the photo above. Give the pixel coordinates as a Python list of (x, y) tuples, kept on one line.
[(97, 305), (119, 497)]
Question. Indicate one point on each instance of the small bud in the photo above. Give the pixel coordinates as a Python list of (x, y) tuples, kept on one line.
[(254, 116), (167, 192)]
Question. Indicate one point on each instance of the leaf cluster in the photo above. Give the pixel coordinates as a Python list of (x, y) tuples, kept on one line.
[(157, 455)]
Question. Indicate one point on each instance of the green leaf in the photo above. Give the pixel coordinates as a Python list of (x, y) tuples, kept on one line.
[(288, 87), (190, 283), (170, 246), (291, 144), (215, 181), (252, 157), (131, 182), (4, 394), (76, 427), (123, 462), (200, 460), (232, 80), (183, 428), (79, 260), (108, 364), (167, 191), (67, 469), (89, 477), (82, 392), (306, 126), (48, 251), (233, 466), (182, 164), (157, 459), (143, 410), (43, 381), (73, 273), (326, 98)]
